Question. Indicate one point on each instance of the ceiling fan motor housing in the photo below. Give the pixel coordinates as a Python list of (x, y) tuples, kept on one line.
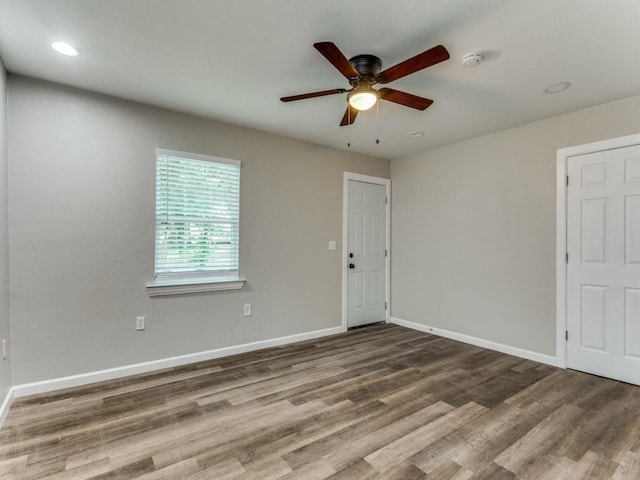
[(366, 65)]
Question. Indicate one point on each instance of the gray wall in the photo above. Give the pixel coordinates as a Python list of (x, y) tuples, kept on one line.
[(81, 230), (5, 367), (473, 228)]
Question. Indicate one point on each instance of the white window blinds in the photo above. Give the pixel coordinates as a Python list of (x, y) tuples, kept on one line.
[(197, 215)]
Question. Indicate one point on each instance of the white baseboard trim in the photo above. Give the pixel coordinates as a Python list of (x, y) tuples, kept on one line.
[(85, 378), (4, 409), (479, 342)]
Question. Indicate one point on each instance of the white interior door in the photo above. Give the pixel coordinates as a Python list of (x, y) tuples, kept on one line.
[(603, 269), (366, 251)]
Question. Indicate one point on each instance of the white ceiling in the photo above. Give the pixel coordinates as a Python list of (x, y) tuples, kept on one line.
[(232, 60)]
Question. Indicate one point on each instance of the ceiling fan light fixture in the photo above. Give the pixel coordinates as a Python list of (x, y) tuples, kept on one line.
[(363, 98)]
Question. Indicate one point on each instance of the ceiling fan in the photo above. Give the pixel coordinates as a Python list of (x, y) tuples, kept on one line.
[(364, 71)]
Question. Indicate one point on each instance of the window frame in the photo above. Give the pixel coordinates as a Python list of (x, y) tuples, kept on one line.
[(193, 282)]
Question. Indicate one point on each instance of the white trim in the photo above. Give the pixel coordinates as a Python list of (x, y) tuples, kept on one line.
[(145, 367), (196, 156), (561, 262), (6, 404), (182, 286), (562, 159), (345, 227), (479, 342)]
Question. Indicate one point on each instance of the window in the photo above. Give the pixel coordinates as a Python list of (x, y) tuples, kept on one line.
[(197, 218)]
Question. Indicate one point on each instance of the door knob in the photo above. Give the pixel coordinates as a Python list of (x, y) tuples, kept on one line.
[(351, 265)]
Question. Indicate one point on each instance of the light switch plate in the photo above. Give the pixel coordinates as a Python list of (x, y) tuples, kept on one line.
[(332, 245)]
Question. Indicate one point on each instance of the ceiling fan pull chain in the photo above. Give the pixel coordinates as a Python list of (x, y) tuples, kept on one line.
[(348, 123), (377, 123)]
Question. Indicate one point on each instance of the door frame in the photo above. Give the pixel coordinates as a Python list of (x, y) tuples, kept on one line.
[(345, 230), (562, 160)]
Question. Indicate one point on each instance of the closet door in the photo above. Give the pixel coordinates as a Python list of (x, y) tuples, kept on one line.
[(603, 270)]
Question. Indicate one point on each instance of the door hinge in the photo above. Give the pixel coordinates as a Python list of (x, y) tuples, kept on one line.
[(386, 200), (566, 257), (386, 254), (567, 180), (385, 305), (566, 335)]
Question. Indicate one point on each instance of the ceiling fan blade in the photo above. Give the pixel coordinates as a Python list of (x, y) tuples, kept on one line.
[(432, 56), (303, 96), (403, 98), (337, 59), (349, 116)]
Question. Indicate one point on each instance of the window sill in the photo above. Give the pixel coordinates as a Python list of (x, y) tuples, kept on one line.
[(183, 286)]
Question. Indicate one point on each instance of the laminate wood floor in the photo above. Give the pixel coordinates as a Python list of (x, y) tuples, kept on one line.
[(383, 402)]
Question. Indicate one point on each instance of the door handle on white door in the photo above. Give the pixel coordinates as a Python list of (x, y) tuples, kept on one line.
[(351, 265)]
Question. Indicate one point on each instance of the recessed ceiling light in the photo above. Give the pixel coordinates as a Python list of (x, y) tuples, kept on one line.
[(65, 49), (416, 134), (557, 87)]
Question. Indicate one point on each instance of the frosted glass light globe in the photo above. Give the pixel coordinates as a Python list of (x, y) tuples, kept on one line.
[(363, 99)]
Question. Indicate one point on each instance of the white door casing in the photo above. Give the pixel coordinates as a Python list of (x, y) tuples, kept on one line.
[(602, 273), (366, 259)]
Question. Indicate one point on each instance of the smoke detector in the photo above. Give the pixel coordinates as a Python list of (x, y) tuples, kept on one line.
[(472, 59)]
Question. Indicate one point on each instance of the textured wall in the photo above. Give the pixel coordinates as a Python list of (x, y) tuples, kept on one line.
[(5, 368), (473, 228), (81, 223)]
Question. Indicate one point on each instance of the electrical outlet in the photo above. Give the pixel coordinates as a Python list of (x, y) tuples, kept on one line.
[(140, 323), (247, 309)]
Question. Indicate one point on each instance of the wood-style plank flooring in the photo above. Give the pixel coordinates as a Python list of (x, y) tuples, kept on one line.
[(383, 402)]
